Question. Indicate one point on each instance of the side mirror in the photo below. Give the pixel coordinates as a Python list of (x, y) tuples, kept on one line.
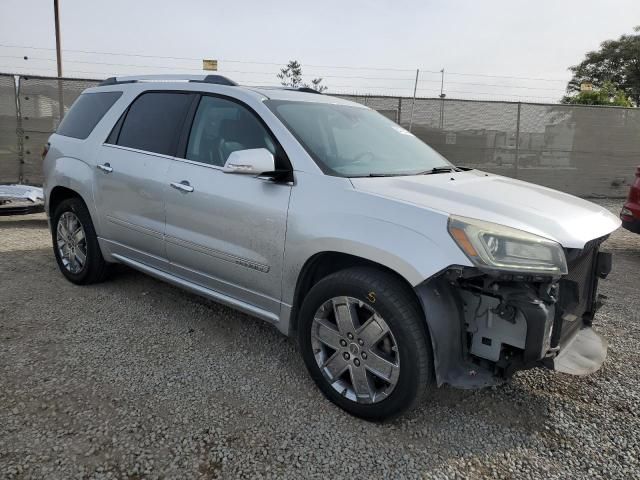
[(254, 161)]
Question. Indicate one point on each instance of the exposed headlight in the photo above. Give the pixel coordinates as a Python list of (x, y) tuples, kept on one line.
[(498, 247)]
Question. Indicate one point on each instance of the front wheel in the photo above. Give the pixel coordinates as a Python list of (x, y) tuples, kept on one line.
[(364, 341)]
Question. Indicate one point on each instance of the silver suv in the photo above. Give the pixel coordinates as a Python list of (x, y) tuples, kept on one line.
[(396, 270)]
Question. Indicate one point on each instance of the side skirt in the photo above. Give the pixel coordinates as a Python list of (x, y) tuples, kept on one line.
[(200, 290)]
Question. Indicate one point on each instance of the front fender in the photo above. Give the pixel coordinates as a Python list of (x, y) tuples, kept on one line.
[(410, 241), (387, 244)]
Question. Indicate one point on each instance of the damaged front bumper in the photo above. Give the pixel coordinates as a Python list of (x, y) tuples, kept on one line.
[(511, 322)]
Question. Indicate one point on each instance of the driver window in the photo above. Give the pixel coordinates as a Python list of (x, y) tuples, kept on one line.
[(221, 127)]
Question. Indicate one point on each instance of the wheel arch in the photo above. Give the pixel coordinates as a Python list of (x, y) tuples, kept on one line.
[(324, 263), (59, 194), (68, 177)]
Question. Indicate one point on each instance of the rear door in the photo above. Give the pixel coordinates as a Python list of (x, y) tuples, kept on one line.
[(131, 179), (226, 231)]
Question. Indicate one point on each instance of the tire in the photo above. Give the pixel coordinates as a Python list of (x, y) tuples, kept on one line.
[(93, 269), (369, 295)]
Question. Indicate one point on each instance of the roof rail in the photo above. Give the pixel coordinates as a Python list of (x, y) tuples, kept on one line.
[(307, 90), (213, 79), (291, 89)]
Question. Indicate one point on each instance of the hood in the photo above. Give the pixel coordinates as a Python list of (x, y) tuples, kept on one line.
[(569, 220)]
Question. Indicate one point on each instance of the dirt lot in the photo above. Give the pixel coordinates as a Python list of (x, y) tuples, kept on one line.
[(134, 379)]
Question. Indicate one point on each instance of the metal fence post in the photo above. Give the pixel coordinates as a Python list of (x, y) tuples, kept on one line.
[(19, 128), (413, 104), (515, 163)]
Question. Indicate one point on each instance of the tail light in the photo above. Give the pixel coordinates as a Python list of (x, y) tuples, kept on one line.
[(45, 150)]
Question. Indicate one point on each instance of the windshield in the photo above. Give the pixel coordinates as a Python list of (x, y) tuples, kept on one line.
[(351, 141)]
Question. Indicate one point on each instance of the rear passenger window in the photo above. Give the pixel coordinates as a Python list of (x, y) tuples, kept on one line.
[(85, 113), (154, 121), (221, 127)]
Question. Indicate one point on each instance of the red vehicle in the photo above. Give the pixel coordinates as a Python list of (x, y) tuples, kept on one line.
[(630, 213)]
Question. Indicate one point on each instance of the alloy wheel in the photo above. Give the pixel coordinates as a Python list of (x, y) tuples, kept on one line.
[(72, 242), (355, 350)]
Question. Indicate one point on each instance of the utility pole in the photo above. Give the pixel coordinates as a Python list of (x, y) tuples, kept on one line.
[(413, 104), (58, 60), (58, 50)]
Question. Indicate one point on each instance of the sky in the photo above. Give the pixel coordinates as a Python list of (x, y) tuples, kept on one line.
[(490, 49)]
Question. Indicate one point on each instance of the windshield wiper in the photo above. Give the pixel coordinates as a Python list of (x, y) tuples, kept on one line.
[(439, 170), (388, 174)]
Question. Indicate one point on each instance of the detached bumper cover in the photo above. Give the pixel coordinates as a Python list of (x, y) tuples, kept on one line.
[(21, 200), (584, 353)]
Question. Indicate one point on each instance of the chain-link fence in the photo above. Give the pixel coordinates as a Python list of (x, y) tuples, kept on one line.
[(9, 131), (31, 108), (583, 150), (587, 151)]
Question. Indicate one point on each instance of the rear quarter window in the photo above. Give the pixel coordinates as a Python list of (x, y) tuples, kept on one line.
[(154, 122), (85, 113)]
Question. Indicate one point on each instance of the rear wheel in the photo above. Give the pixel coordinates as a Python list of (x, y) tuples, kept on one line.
[(75, 243), (364, 342)]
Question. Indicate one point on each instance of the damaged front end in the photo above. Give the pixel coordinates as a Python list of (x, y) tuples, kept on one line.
[(503, 322)]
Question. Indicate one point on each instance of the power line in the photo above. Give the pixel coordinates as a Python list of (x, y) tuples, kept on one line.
[(498, 85), (507, 76), (350, 87), (270, 74), (100, 53), (284, 63)]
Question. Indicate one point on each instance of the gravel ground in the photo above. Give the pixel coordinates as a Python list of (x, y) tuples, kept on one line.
[(136, 379)]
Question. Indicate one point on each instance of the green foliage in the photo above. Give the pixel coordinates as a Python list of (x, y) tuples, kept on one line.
[(608, 94), (618, 62), (291, 76), (316, 84)]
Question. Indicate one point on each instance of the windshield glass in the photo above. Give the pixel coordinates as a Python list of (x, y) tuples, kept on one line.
[(351, 141)]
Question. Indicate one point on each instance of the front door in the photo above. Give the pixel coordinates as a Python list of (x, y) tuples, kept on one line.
[(131, 176), (224, 231)]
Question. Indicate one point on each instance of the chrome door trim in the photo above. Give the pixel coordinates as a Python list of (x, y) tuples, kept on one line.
[(135, 150), (243, 262), (137, 228)]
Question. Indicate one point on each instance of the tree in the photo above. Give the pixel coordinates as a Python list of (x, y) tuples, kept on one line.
[(316, 84), (291, 76), (617, 61), (608, 94)]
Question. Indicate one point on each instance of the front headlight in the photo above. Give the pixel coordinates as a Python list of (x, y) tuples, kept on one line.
[(498, 247)]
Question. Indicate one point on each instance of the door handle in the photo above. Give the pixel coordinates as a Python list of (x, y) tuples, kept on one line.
[(105, 168), (183, 186)]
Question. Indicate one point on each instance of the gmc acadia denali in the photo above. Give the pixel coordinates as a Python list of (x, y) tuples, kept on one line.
[(396, 270)]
